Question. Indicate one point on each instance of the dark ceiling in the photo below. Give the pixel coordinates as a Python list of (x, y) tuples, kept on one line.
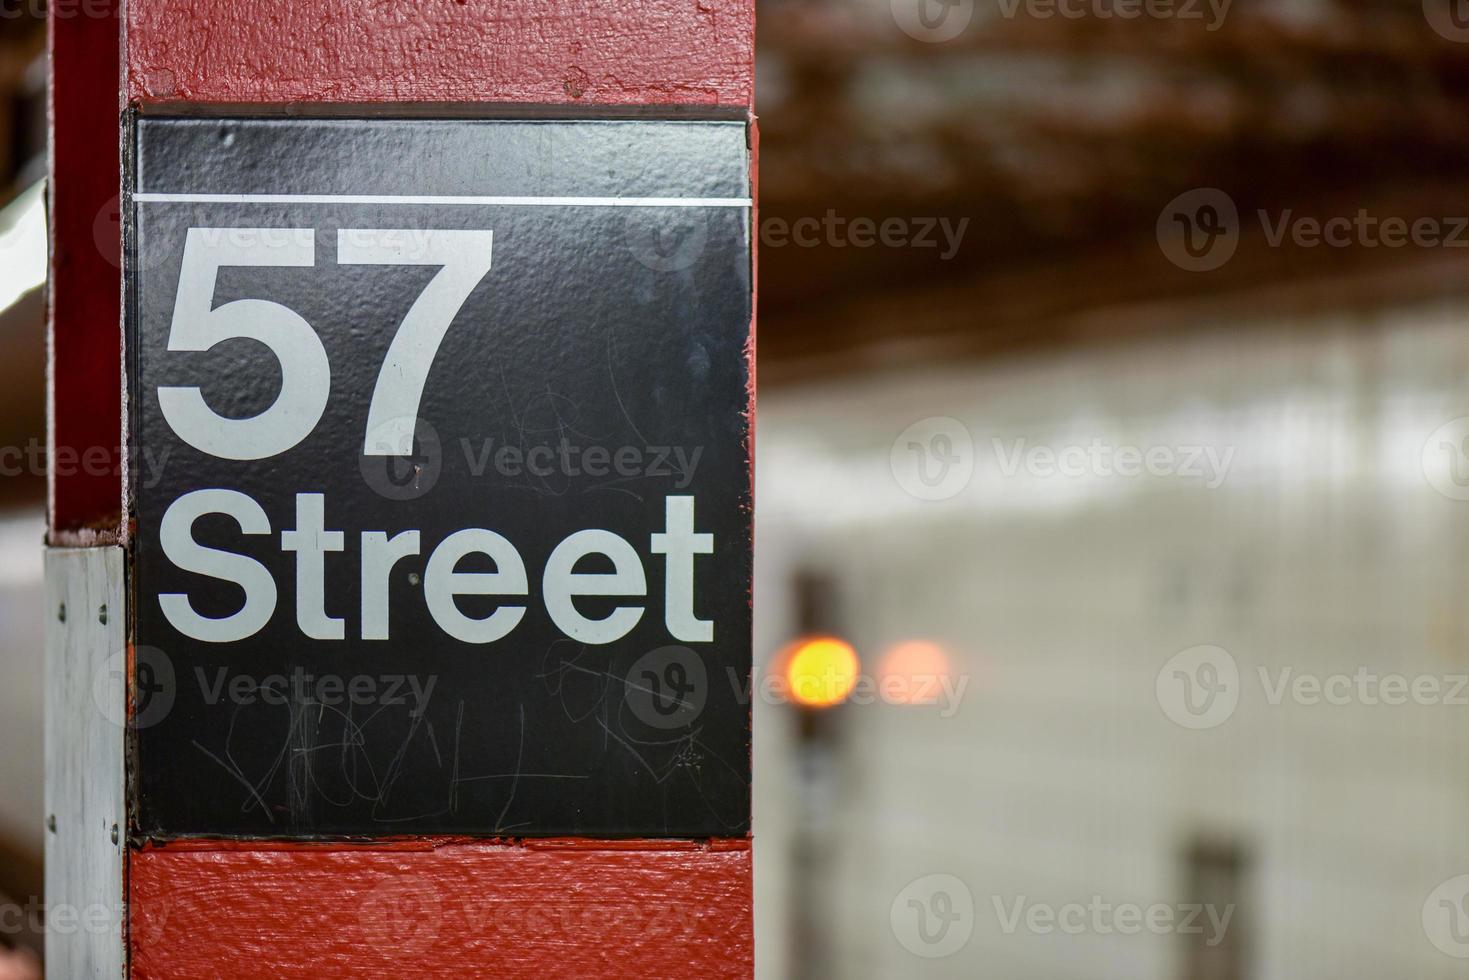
[(1062, 140)]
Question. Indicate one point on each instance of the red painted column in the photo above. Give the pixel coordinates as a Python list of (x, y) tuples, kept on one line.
[(625, 52), (84, 314), (421, 906), (651, 909)]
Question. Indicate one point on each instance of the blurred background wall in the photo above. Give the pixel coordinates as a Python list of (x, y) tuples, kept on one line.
[(22, 461), (1174, 245), (1112, 352), (1054, 774)]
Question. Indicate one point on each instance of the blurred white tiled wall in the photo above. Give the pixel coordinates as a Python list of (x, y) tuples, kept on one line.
[(1324, 549), (21, 819)]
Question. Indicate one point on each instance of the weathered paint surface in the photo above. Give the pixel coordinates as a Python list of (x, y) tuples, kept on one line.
[(86, 704), (85, 307), (647, 909), (630, 52)]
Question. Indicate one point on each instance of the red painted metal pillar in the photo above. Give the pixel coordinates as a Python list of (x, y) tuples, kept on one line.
[(84, 298), (85, 759), (237, 905)]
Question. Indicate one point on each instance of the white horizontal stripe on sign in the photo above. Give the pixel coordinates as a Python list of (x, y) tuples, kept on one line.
[(594, 202)]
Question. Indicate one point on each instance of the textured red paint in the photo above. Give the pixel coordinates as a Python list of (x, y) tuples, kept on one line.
[(571, 52), (84, 315), (647, 909)]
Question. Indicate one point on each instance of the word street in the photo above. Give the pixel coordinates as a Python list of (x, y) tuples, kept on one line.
[(310, 540)]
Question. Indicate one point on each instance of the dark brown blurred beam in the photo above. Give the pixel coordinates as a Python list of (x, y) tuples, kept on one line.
[(22, 43), (22, 397), (1097, 295), (1335, 115), (841, 36), (21, 881)]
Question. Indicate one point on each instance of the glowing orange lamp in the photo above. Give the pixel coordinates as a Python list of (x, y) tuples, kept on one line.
[(821, 671)]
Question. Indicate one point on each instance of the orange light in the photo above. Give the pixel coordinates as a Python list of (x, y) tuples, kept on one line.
[(912, 672), (821, 672)]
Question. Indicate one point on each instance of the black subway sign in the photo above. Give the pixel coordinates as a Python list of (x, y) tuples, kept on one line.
[(442, 520)]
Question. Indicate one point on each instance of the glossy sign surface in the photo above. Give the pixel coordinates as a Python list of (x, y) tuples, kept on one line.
[(442, 495)]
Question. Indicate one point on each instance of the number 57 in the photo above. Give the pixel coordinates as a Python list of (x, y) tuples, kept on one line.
[(198, 325)]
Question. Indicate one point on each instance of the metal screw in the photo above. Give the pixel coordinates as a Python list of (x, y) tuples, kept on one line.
[(51, 823), (102, 614), (114, 833), (62, 614)]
